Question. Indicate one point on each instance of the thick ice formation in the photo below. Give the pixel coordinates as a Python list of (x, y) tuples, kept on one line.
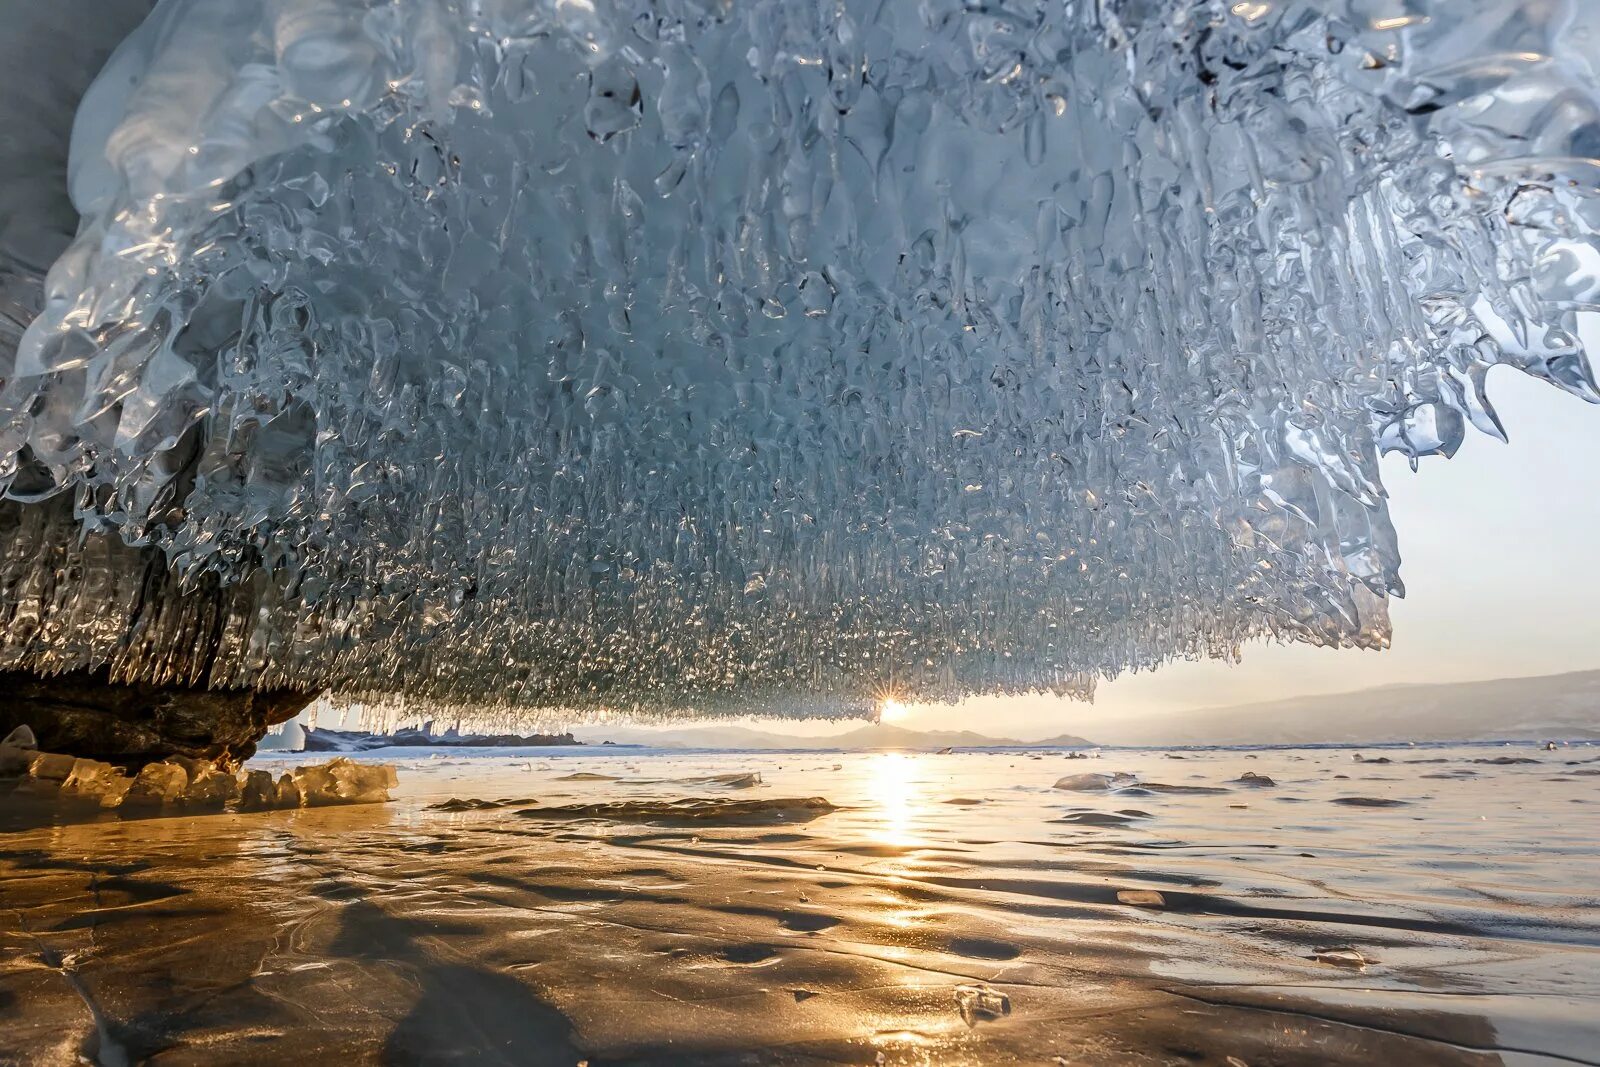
[(180, 783), (687, 354)]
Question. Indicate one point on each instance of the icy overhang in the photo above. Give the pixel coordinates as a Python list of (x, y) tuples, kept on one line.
[(771, 354)]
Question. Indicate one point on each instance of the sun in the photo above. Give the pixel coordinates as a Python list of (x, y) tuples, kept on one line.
[(892, 710)]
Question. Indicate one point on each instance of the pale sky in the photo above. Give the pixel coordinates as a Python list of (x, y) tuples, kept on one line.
[(1499, 562)]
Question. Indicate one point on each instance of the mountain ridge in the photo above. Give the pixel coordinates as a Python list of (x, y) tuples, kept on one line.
[(1536, 707), (873, 736)]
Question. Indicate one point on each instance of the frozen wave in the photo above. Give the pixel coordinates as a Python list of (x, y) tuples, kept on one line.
[(776, 355)]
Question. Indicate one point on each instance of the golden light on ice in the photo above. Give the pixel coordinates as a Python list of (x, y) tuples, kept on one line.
[(896, 797), (892, 710)]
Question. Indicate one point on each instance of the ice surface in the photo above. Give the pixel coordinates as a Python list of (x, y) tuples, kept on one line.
[(676, 355)]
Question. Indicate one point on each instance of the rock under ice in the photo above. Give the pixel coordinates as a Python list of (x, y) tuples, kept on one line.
[(669, 355)]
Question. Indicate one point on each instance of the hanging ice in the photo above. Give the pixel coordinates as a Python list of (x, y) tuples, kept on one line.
[(689, 354)]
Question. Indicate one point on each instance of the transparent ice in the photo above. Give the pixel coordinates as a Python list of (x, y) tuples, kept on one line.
[(685, 355), (179, 783)]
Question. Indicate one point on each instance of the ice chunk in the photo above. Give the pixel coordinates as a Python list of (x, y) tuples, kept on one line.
[(44, 773), (771, 356), (363, 783), (258, 790), (1343, 957), (182, 783), (101, 783), (208, 785), (1252, 780), (157, 784), (981, 1002), (315, 784), (1084, 783), (344, 781), (1094, 783), (289, 792), (51, 766), (1141, 898)]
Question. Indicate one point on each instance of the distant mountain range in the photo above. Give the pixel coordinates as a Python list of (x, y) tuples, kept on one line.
[(876, 736), (1563, 706), (1549, 706)]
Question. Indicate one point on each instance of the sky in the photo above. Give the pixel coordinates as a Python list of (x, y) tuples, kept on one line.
[(1498, 551)]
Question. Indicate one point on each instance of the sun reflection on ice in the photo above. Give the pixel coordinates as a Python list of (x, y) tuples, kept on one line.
[(897, 798)]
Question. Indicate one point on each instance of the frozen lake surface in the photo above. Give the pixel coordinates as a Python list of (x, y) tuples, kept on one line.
[(650, 907)]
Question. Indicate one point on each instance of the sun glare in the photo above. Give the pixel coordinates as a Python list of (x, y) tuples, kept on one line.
[(892, 711)]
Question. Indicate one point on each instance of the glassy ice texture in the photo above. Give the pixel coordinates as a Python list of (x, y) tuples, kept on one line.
[(773, 354)]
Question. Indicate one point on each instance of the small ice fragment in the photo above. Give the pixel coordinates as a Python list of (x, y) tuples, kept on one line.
[(738, 781), (1252, 780), (977, 1002), (1141, 898), (1084, 783)]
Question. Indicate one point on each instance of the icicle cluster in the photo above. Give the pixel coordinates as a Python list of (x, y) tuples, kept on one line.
[(774, 354)]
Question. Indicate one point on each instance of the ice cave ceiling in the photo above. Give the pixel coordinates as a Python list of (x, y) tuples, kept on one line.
[(686, 355)]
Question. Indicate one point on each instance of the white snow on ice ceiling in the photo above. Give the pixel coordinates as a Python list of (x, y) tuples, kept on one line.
[(685, 355)]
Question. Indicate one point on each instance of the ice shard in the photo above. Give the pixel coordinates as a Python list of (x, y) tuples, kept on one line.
[(691, 355)]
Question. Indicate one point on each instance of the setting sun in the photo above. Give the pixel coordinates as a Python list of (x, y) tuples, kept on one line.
[(892, 711)]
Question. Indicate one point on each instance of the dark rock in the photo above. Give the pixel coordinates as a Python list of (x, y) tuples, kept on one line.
[(84, 713)]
